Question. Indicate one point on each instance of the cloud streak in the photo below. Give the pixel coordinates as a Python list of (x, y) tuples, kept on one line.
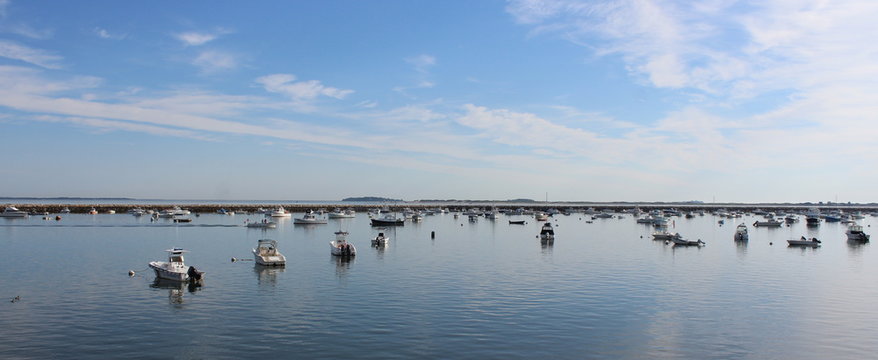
[(15, 51)]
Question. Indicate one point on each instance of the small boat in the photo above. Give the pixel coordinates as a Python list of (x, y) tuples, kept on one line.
[(182, 219), (225, 212), (265, 253), (264, 224), (111, 212), (309, 218), (13, 212), (646, 220), (341, 247), (547, 233), (855, 233), (804, 242), (380, 240), (174, 268), (541, 216), (679, 241), (665, 235), (136, 212), (93, 211), (516, 222), (741, 233), (417, 217), (280, 212), (65, 210), (339, 214), (388, 220), (769, 223)]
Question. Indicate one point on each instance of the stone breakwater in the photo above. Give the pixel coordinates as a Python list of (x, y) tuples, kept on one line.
[(455, 207)]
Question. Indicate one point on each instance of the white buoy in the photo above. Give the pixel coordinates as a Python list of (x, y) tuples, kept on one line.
[(130, 272)]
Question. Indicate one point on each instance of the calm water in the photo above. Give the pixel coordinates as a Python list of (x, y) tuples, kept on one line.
[(478, 290)]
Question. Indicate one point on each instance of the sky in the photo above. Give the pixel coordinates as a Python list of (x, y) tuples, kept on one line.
[(565, 100)]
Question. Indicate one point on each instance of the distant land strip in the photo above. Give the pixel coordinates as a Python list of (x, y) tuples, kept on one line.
[(104, 208)]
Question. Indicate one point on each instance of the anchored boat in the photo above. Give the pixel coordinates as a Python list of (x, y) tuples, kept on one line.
[(341, 247), (741, 233), (174, 268), (855, 233), (266, 253), (804, 242), (547, 233)]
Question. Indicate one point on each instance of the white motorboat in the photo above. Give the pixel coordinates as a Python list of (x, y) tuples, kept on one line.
[(280, 212), (855, 233), (182, 219), (111, 212), (339, 214), (264, 224), (547, 233), (136, 212), (174, 268), (340, 246), (380, 240), (804, 242), (65, 210), (769, 223), (13, 212), (541, 216), (309, 218), (225, 212), (388, 220), (741, 233), (265, 253), (93, 211)]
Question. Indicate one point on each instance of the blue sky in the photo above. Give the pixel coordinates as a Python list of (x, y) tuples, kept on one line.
[(741, 101)]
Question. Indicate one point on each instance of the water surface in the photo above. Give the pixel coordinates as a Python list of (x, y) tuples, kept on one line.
[(478, 290)]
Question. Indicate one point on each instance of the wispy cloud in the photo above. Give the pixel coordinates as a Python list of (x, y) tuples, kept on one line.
[(28, 31), (110, 125), (198, 38), (421, 62), (15, 51), (194, 38), (300, 92), (105, 34), (211, 61)]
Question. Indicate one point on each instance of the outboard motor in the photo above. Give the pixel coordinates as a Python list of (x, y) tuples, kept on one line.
[(194, 274)]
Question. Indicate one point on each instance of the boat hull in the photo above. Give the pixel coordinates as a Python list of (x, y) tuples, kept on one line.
[(309, 222), (14, 215), (382, 222), (347, 250), (162, 272), (270, 260), (803, 243)]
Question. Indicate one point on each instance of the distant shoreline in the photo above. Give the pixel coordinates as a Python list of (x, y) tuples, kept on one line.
[(83, 207)]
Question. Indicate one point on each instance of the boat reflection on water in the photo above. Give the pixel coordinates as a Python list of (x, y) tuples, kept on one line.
[(267, 275), (741, 247), (175, 288), (342, 264), (855, 248), (546, 247)]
